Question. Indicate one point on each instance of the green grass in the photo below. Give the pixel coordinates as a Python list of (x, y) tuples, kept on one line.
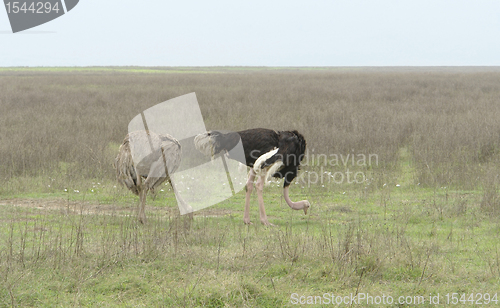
[(425, 221), (394, 241)]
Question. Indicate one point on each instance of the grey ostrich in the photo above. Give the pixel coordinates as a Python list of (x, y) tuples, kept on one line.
[(145, 161)]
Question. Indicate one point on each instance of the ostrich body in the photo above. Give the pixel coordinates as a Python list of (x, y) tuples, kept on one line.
[(145, 161), (268, 153)]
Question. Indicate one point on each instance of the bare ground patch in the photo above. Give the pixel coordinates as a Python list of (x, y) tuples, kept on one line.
[(88, 208)]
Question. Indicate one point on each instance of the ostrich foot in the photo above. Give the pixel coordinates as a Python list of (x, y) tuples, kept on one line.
[(267, 223), (142, 220)]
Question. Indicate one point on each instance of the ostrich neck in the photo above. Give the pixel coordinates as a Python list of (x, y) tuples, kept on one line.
[(294, 205)]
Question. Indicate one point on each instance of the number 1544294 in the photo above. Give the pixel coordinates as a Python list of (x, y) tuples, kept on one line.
[(33, 7)]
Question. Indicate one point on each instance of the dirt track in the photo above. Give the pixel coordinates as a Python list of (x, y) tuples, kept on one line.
[(88, 208)]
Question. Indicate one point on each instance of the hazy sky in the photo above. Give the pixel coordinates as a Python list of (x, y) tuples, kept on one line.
[(261, 33)]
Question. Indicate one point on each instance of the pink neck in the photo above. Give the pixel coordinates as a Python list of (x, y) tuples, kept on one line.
[(300, 205)]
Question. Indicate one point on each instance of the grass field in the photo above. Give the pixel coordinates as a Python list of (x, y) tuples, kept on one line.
[(419, 220)]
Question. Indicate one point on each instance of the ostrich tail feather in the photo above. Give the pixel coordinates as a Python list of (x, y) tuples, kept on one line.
[(257, 166), (274, 168)]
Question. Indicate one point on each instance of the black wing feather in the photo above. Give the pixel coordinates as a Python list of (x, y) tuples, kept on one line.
[(258, 141)]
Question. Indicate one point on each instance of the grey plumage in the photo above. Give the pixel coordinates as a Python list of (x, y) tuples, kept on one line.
[(141, 164)]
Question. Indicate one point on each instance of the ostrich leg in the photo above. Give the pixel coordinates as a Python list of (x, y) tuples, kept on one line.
[(260, 198), (142, 200), (142, 206), (251, 177)]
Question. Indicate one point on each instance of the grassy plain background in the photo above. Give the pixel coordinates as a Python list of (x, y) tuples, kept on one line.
[(73, 121), (436, 133)]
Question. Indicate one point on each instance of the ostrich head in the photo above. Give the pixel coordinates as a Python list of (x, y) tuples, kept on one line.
[(205, 142)]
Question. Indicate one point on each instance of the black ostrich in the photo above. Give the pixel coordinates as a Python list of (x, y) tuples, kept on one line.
[(268, 153)]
